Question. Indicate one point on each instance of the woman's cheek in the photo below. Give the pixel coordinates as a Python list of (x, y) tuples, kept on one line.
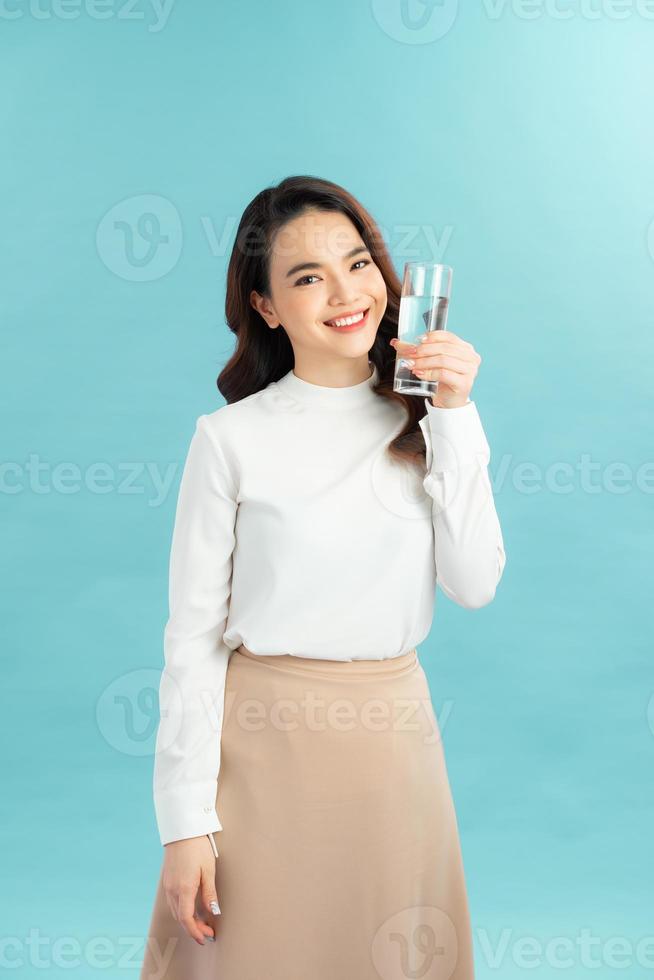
[(378, 285), (380, 293)]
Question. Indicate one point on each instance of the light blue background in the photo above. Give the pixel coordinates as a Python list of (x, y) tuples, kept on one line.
[(523, 145)]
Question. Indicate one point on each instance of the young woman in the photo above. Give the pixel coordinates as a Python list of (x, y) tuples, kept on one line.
[(300, 784)]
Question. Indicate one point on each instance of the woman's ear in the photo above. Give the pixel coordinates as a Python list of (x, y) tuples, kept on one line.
[(264, 308)]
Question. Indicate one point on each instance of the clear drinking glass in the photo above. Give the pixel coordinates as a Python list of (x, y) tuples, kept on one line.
[(426, 289)]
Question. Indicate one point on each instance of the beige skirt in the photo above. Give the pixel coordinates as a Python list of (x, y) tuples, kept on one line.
[(339, 857)]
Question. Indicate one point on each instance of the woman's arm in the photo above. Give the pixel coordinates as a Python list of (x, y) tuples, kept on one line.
[(469, 549), (192, 688)]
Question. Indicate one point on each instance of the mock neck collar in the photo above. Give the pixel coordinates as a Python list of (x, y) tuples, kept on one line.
[(324, 396)]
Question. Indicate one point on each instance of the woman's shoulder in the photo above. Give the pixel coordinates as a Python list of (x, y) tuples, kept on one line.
[(230, 422)]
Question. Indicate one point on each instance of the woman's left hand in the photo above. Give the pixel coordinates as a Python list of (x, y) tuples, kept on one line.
[(446, 358)]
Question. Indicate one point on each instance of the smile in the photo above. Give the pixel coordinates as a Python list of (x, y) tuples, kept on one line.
[(347, 323)]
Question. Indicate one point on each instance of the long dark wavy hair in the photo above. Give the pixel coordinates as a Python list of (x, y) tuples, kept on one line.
[(263, 355)]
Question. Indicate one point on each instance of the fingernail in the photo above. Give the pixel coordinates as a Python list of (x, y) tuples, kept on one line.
[(211, 939), (215, 908)]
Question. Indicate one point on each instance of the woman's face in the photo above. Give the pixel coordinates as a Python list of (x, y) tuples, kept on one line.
[(321, 271)]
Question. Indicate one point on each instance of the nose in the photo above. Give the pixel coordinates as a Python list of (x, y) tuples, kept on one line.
[(344, 294)]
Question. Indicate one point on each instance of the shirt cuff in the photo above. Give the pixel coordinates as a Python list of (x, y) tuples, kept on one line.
[(187, 812), (454, 437)]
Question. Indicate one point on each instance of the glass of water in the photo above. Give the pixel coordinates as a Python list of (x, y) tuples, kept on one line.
[(426, 288)]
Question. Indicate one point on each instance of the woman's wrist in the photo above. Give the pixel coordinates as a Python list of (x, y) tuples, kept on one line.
[(437, 404)]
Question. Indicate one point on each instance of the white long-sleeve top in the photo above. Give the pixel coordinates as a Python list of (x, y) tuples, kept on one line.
[(295, 532)]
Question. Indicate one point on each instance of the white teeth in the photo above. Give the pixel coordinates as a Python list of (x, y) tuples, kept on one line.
[(347, 321)]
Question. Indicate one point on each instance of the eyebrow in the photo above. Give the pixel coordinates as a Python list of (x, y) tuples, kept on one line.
[(318, 265)]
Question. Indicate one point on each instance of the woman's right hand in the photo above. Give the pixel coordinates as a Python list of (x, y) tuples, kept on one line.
[(190, 869)]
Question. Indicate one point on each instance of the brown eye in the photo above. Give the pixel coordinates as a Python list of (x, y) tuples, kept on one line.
[(303, 280)]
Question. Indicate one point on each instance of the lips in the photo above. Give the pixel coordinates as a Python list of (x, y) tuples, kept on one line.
[(349, 326)]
